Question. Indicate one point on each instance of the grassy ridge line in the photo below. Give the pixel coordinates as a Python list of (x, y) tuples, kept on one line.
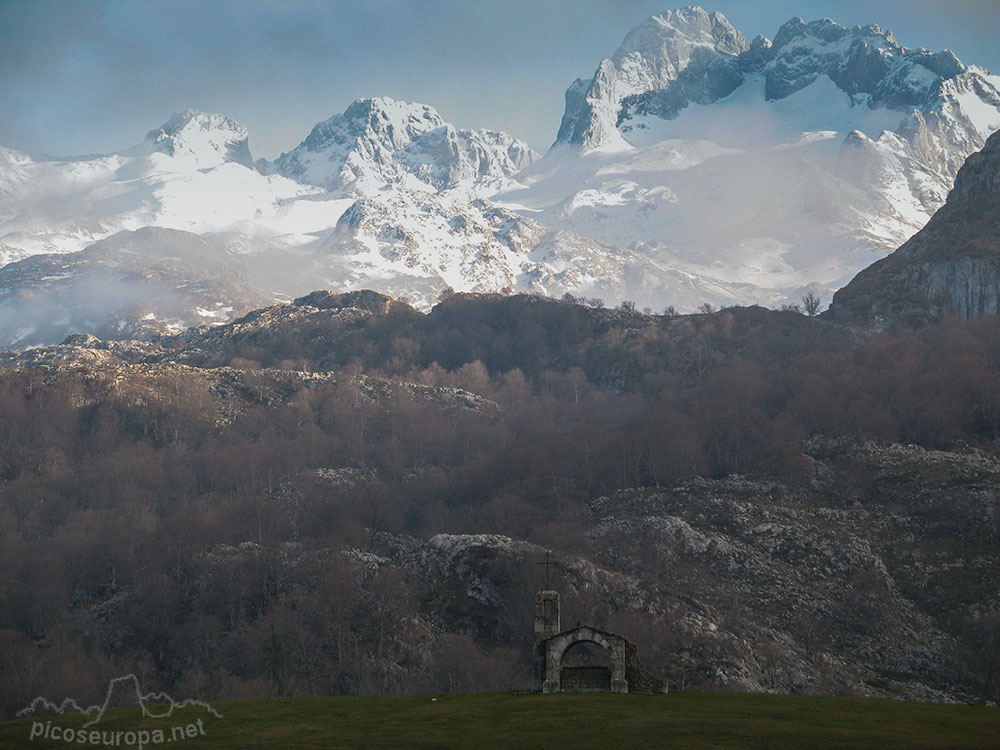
[(507, 720)]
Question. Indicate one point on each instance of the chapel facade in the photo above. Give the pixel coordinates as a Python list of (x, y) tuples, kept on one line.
[(611, 666)]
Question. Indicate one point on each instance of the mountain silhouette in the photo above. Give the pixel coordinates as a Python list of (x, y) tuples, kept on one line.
[(122, 692)]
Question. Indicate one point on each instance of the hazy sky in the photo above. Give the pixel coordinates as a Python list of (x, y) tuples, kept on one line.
[(92, 76)]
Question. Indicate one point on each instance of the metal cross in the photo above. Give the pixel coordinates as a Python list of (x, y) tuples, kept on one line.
[(547, 565)]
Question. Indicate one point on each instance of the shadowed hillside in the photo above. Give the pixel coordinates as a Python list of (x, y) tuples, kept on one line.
[(344, 496)]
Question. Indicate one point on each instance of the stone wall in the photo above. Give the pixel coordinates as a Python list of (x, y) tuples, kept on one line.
[(638, 679)]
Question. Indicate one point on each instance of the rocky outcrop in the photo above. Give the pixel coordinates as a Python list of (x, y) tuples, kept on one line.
[(952, 266), (363, 299), (9, 254), (856, 584)]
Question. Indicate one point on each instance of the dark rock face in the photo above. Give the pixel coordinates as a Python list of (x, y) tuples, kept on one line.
[(979, 177), (576, 108), (952, 266), (708, 78)]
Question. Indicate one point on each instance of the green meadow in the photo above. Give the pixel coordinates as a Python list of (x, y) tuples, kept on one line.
[(509, 720)]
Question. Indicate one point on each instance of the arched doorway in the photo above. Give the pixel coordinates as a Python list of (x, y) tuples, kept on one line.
[(584, 659), (552, 650), (586, 668)]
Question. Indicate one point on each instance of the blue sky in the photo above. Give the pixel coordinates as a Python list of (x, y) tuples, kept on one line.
[(92, 76)]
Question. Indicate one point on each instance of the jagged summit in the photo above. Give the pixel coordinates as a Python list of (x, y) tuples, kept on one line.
[(864, 61), (380, 140), (691, 56), (390, 122), (661, 47), (203, 138), (651, 56)]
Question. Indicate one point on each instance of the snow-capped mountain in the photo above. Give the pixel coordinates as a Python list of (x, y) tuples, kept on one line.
[(401, 215), (692, 57), (662, 51), (693, 166), (381, 140), (202, 139), (194, 173), (419, 221), (788, 165), (412, 244)]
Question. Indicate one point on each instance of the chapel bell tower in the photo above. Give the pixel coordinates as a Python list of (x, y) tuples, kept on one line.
[(546, 615)]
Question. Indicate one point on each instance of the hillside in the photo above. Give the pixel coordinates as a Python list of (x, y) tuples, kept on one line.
[(342, 495), (950, 267)]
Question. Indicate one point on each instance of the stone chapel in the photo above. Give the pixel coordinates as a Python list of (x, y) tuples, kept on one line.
[(609, 663)]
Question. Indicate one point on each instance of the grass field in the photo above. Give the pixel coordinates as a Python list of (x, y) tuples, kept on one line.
[(508, 720)]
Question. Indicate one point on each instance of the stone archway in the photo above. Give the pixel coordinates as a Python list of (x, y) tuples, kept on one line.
[(556, 647), (586, 668)]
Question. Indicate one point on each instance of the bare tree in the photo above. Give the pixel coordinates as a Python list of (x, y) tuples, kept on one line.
[(982, 642), (706, 308), (810, 304)]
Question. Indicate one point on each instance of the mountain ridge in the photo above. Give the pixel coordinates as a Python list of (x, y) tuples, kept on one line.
[(704, 169)]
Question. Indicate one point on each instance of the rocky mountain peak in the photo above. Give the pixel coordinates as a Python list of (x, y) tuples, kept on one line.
[(692, 56), (382, 140), (652, 55), (382, 120), (863, 60), (207, 139), (655, 51)]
